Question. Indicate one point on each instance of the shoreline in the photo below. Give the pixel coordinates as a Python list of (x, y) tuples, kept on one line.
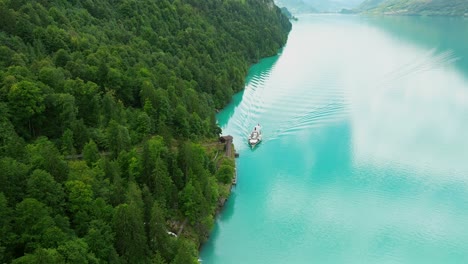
[(231, 154)]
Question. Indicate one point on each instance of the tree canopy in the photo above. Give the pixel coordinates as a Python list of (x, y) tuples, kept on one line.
[(104, 108)]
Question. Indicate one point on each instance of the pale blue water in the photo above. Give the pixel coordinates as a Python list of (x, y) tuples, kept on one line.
[(365, 152)]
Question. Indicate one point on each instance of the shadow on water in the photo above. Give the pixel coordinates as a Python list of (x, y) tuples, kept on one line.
[(440, 33), (228, 211), (262, 68), (224, 215)]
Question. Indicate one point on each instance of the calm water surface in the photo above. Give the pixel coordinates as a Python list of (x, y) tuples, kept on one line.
[(365, 152)]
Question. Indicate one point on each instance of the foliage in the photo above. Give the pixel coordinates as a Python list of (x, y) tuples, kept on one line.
[(131, 87), (225, 174)]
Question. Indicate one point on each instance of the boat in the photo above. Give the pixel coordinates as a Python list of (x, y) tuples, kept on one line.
[(256, 136)]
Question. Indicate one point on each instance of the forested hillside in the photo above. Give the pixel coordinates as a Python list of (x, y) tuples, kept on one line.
[(370, 4), (105, 110), (417, 7)]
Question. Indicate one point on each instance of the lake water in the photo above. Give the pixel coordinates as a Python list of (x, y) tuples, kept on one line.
[(365, 151)]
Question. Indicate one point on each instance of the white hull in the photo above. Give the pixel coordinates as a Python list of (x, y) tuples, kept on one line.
[(254, 142), (255, 137)]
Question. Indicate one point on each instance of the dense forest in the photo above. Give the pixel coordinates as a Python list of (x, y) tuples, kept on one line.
[(416, 7), (106, 114)]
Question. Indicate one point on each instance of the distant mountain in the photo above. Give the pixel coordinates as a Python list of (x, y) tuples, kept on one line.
[(416, 7), (333, 5), (296, 6), (313, 6), (370, 4)]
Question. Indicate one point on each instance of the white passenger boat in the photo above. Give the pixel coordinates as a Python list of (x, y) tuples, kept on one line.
[(256, 136)]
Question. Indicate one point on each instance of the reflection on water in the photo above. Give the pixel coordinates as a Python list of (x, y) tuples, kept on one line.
[(415, 113), (442, 33), (364, 158)]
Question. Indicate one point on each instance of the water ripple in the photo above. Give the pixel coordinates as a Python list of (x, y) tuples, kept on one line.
[(364, 157)]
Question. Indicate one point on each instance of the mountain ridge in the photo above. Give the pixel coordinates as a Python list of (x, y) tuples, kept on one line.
[(416, 7), (316, 6)]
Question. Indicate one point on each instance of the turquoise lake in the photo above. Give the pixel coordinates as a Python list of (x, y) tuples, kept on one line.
[(365, 151)]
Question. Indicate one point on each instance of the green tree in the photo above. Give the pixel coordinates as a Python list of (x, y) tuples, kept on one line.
[(162, 108), (158, 259), (191, 201), (111, 108), (7, 18), (225, 174), (164, 186), (10, 143), (87, 100), (54, 38), (42, 187), (134, 198), (148, 93), (44, 155), (26, 100), (130, 239), (13, 177), (61, 112), (143, 125), (91, 153), (76, 251), (118, 138), (5, 227), (67, 147), (41, 256), (112, 171), (32, 220), (158, 237), (151, 113), (80, 202), (100, 239), (61, 57), (186, 253), (80, 134), (181, 122), (154, 170), (53, 77)]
